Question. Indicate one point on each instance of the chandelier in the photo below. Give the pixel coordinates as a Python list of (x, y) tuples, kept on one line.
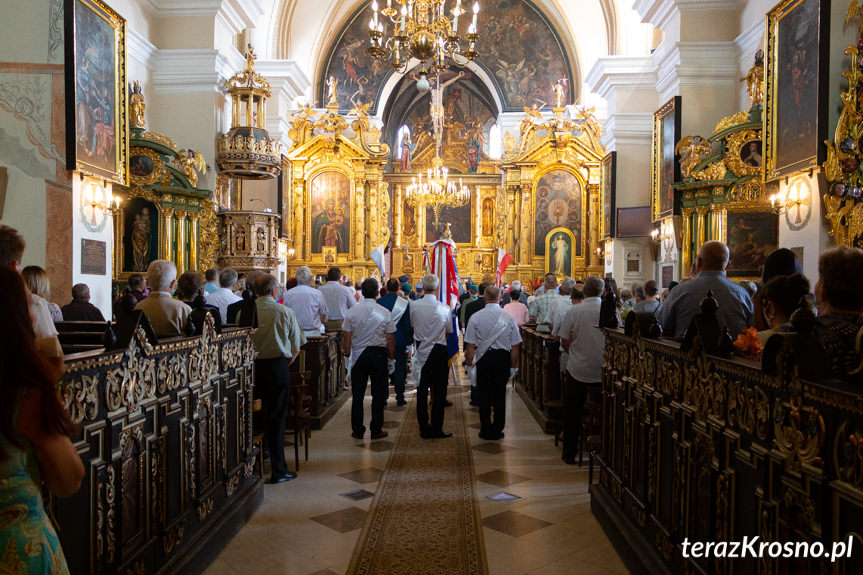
[(437, 191), (422, 30)]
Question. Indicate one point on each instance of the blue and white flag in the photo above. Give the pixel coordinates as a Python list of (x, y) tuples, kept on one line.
[(377, 256)]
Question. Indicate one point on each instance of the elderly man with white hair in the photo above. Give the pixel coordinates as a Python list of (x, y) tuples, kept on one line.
[(514, 286), (431, 321), (307, 303), (167, 315)]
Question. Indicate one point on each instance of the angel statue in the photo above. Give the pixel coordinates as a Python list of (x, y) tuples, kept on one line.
[(137, 105), (250, 58), (360, 110), (531, 115), (692, 151), (332, 91), (190, 163)]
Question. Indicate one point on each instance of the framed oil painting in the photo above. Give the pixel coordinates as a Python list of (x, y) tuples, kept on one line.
[(459, 218), (559, 245), (797, 70), (665, 165), (330, 201), (97, 130), (750, 236), (607, 181), (558, 205)]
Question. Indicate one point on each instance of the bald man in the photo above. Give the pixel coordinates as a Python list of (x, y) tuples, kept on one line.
[(735, 306)]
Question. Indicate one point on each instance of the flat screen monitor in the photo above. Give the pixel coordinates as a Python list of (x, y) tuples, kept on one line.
[(633, 222)]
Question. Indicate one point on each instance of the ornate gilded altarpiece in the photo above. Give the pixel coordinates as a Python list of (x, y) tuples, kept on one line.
[(163, 214), (551, 182), (340, 202), (722, 196)]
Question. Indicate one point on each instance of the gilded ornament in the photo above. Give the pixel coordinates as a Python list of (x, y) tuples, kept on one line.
[(755, 80), (692, 151), (190, 162), (161, 139), (137, 105), (731, 121)]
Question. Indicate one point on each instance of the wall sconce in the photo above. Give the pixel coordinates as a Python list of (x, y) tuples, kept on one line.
[(663, 236), (795, 203), (291, 253), (94, 197)]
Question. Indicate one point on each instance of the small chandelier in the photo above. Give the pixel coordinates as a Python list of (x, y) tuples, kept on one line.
[(437, 191), (422, 30)]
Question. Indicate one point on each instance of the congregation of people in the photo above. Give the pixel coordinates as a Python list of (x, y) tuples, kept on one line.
[(395, 334)]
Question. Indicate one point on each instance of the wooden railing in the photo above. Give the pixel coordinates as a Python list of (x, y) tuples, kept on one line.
[(538, 379), (703, 449), (166, 441), (322, 357)]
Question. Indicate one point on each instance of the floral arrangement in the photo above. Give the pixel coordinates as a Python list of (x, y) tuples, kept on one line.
[(748, 344), (534, 284)]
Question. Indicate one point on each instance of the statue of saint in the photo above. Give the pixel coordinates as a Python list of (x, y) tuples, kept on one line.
[(332, 91), (472, 155), (240, 241), (250, 58), (487, 216), (137, 106), (755, 80), (560, 248), (407, 152), (141, 240), (262, 244), (559, 95)]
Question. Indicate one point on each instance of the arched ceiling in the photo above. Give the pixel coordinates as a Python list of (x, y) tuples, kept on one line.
[(307, 31)]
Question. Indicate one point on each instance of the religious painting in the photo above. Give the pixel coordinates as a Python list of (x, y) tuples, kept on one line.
[(330, 255), (558, 204), (487, 216), (525, 57), (558, 253), (140, 235), (665, 165), (97, 131), (331, 211), (750, 237), (145, 167), (607, 181), (796, 76), (460, 223)]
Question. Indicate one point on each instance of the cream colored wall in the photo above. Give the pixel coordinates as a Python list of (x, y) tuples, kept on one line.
[(25, 211)]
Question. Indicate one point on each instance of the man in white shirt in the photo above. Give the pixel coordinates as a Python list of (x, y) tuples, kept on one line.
[(369, 343), (431, 321), (576, 297), (493, 341), (585, 344), (543, 306), (223, 297), (339, 299), (308, 303)]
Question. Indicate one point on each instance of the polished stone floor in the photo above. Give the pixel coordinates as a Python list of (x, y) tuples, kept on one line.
[(538, 523)]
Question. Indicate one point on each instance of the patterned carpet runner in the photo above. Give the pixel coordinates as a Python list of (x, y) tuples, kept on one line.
[(425, 516)]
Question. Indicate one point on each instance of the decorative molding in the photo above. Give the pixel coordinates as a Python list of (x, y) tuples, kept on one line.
[(140, 49), (287, 73), (195, 71), (612, 72), (749, 41), (660, 12), (696, 64), (631, 129), (240, 14)]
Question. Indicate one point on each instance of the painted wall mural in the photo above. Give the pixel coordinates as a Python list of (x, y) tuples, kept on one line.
[(524, 65), (558, 205)]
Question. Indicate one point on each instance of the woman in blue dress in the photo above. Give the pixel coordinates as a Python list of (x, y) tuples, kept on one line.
[(34, 442)]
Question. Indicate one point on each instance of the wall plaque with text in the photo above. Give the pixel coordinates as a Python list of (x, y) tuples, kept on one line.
[(93, 256)]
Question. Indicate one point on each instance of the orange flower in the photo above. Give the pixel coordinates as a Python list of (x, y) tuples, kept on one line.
[(747, 343)]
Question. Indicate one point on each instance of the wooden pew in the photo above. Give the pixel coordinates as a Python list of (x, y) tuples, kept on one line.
[(538, 381)]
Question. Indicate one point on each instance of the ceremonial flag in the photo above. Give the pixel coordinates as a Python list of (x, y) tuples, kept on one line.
[(503, 260), (377, 256), (443, 266)]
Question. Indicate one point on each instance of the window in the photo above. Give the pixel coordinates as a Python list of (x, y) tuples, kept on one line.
[(495, 141)]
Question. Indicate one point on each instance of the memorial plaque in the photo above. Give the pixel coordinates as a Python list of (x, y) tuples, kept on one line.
[(93, 255), (667, 275)]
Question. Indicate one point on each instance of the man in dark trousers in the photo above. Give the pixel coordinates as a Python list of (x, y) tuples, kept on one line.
[(473, 307), (277, 340), (398, 308), (431, 321), (369, 343), (493, 342)]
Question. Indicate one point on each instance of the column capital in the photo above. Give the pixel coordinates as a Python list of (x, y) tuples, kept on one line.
[(627, 129), (696, 64), (194, 71), (661, 12)]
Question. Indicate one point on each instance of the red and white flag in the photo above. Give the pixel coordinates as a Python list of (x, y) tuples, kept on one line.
[(503, 260)]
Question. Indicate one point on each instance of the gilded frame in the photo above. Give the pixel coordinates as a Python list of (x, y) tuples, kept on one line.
[(152, 177), (572, 257), (607, 183), (779, 159), (663, 163), (307, 199), (581, 255), (285, 200), (80, 53), (735, 150), (751, 209)]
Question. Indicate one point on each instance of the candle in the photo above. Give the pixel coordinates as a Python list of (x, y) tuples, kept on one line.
[(475, 12), (404, 16), (375, 8)]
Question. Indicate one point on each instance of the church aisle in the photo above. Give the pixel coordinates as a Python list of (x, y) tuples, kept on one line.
[(307, 527)]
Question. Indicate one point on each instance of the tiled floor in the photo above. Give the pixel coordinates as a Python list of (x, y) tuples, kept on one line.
[(306, 526)]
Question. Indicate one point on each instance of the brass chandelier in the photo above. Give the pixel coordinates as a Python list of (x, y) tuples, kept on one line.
[(437, 191), (422, 30)]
